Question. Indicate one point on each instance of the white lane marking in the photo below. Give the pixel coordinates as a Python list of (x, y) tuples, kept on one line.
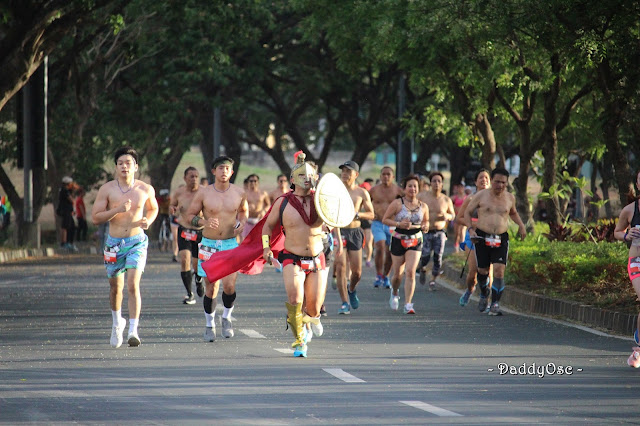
[(343, 375), (284, 351), (252, 333), (431, 409)]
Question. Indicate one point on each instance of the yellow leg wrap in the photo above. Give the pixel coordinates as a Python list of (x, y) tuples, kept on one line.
[(294, 319), (308, 319)]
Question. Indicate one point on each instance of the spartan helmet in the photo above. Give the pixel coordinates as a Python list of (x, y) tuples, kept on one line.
[(303, 174)]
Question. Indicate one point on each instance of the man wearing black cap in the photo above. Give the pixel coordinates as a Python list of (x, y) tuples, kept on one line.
[(352, 238)]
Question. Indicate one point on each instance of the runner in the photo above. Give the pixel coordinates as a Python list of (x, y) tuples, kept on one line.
[(189, 236), (459, 229), (366, 227), (440, 211), (352, 239), (283, 188), (258, 202), (224, 206), (410, 217), (303, 258), (381, 197), (482, 182), (491, 240), (628, 230), (130, 206)]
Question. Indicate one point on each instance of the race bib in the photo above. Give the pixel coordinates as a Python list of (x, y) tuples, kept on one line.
[(204, 252), (309, 264), (109, 256), (492, 241), (189, 235), (409, 242)]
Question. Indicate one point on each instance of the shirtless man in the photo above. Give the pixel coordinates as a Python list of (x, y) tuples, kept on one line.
[(224, 206), (382, 195), (188, 236), (491, 240), (352, 238), (283, 188), (258, 201), (303, 258), (130, 206), (440, 211)]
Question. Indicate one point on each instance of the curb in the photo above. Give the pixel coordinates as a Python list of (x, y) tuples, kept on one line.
[(524, 301)]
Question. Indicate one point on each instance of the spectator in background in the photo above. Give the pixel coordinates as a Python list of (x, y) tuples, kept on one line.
[(366, 227), (459, 230), (204, 182), (65, 211), (81, 214)]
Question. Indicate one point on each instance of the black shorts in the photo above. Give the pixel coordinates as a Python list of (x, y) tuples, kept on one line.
[(67, 221), (365, 224), (352, 238), (188, 239), (486, 251), (399, 246)]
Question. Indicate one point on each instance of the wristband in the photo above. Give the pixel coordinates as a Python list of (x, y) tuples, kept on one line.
[(195, 220), (265, 241), (625, 236)]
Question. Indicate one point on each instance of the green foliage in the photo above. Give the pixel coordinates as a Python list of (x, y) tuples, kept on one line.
[(589, 273)]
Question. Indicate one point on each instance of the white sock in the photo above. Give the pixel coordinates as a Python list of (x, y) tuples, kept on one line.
[(133, 325), (116, 315), (210, 318), (227, 312)]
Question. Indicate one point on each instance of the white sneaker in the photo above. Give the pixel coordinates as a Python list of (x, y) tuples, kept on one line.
[(116, 333), (209, 334), (394, 301), (227, 327), (133, 339), (408, 309), (317, 328)]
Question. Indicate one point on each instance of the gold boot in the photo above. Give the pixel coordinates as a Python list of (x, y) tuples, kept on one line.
[(294, 319)]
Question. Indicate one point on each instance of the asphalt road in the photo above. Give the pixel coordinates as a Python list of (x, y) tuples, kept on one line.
[(375, 366)]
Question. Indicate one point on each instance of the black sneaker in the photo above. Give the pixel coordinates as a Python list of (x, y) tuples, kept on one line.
[(323, 310), (482, 305), (199, 286), (189, 300)]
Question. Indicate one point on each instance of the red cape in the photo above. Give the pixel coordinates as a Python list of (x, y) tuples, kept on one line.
[(247, 257)]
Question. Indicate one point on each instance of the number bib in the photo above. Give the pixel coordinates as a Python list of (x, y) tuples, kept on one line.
[(493, 241), (109, 256), (309, 264), (409, 242), (189, 235), (204, 252)]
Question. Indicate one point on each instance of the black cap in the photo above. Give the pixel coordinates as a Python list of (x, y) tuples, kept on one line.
[(351, 165)]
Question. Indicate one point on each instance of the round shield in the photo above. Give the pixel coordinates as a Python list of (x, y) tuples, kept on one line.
[(333, 202)]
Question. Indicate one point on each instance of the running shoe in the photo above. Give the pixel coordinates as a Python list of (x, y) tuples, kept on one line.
[(387, 283), (189, 300), (174, 259), (634, 359), (308, 335), (394, 301), (133, 339), (636, 338), (379, 281), (209, 334), (482, 305), (323, 310), (464, 299), (317, 328), (368, 264), (495, 309), (116, 333), (344, 309), (432, 286), (300, 351), (423, 276), (408, 309), (227, 328), (199, 286), (353, 299), (334, 283)]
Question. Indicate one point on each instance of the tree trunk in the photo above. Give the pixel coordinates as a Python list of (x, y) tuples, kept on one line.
[(483, 125), (619, 159), (607, 177), (522, 198)]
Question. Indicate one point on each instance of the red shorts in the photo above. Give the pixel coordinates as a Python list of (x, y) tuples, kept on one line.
[(633, 268), (305, 263)]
